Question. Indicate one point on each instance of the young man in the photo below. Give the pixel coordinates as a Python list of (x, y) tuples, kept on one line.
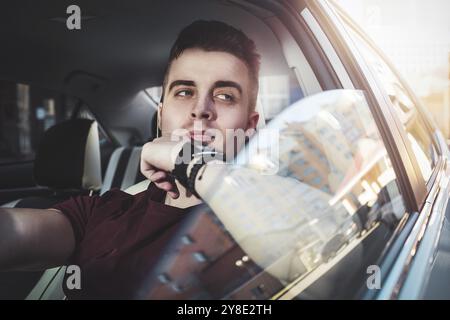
[(210, 90)]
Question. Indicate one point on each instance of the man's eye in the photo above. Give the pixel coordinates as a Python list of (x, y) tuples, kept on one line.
[(225, 97), (184, 93)]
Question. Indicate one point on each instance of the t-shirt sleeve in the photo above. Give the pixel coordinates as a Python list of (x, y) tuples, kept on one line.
[(78, 210)]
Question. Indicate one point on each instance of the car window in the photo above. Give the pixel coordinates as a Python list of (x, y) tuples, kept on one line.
[(155, 94), (304, 219), (276, 92), (403, 105), (26, 112)]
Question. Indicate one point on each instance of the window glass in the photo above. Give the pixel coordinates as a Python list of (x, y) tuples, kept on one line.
[(154, 93), (414, 125), (25, 113), (302, 213), (276, 92)]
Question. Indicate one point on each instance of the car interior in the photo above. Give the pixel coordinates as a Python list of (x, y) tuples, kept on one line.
[(119, 53), (109, 68), (105, 81)]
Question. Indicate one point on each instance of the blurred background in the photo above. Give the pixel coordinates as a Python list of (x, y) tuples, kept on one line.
[(415, 35)]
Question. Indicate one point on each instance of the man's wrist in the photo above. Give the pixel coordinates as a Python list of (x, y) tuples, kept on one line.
[(191, 165), (181, 163), (188, 165)]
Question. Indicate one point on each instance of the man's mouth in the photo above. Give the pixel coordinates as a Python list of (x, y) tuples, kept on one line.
[(201, 136)]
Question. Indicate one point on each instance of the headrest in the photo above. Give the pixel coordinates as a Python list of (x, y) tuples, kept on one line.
[(69, 156)]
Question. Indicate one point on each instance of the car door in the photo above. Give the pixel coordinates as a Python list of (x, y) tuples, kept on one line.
[(414, 272), (322, 20)]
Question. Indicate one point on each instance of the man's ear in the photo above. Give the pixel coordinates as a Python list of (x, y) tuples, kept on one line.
[(252, 123)]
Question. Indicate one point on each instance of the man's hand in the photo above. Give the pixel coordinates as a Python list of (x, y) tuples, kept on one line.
[(157, 160)]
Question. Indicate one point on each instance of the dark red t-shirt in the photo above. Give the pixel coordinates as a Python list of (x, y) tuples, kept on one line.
[(118, 239)]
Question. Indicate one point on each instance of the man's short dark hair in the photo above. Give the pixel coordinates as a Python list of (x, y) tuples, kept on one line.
[(219, 36)]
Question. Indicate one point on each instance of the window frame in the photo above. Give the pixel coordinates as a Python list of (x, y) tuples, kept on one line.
[(400, 255)]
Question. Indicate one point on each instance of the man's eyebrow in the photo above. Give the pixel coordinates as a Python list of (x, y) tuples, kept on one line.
[(181, 83), (222, 84)]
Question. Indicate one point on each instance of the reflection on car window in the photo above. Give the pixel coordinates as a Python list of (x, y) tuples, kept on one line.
[(309, 228), (404, 107)]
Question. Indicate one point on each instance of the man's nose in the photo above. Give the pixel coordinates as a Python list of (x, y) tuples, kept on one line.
[(202, 110)]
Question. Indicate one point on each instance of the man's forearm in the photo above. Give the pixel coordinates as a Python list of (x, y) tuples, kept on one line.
[(9, 240), (207, 178), (32, 239)]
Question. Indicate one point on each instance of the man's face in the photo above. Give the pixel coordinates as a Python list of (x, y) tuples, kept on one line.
[(207, 95)]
